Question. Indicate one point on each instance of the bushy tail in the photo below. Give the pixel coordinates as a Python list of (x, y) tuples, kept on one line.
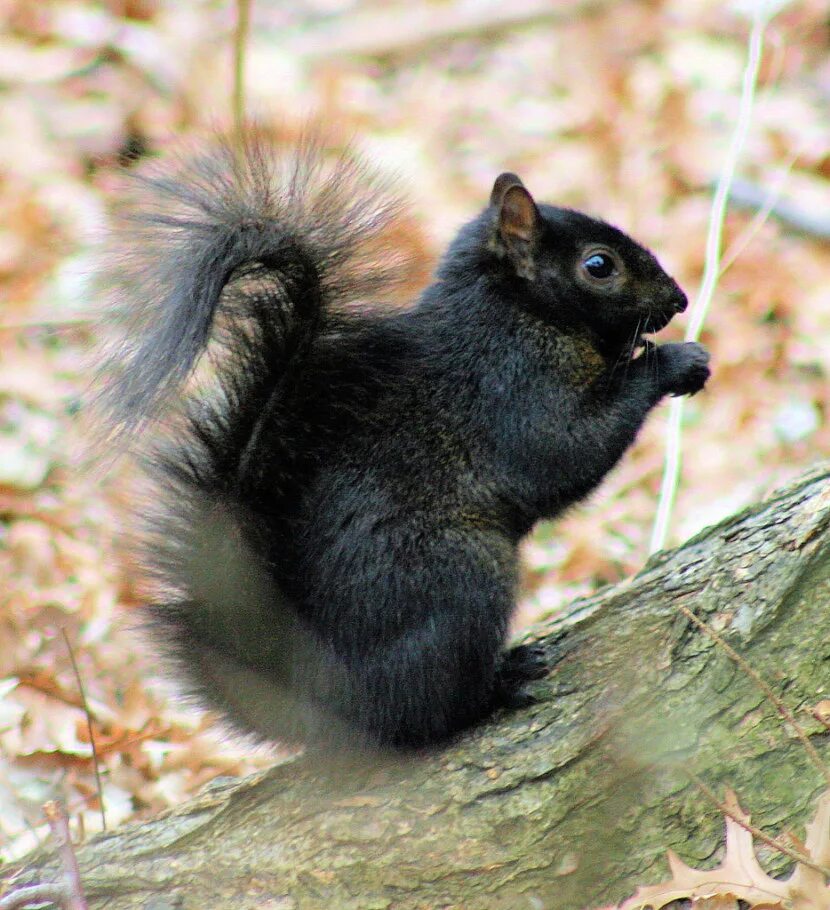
[(237, 255), (241, 249)]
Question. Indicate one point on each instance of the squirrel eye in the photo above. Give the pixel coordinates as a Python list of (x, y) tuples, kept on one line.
[(599, 265)]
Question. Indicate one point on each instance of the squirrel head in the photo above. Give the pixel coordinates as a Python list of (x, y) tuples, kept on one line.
[(574, 270)]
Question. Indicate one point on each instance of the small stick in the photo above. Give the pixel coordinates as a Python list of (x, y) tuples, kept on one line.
[(69, 895), (59, 825), (753, 674), (57, 322), (811, 224), (766, 207), (822, 720), (240, 44), (755, 831), (88, 714), (34, 894), (401, 28)]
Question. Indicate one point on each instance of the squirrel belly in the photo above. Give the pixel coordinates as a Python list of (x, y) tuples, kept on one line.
[(343, 486)]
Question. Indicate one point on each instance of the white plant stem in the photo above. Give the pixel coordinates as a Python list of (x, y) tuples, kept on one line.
[(711, 273)]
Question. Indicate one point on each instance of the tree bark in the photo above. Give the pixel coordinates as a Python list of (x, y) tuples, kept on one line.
[(567, 804)]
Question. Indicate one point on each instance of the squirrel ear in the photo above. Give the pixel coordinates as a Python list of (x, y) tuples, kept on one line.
[(503, 183), (517, 224), (518, 215)]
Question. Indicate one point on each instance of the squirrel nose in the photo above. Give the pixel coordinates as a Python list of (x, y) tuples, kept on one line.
[(680, 302)]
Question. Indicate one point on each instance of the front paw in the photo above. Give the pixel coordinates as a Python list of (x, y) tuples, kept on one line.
[(684, 368)]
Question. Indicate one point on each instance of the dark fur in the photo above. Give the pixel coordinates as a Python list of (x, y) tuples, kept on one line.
[(342, 494)]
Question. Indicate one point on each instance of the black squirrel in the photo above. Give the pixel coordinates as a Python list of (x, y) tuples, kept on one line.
[(340, 487)]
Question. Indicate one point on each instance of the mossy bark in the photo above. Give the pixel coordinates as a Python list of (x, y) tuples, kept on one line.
[(568, 804)]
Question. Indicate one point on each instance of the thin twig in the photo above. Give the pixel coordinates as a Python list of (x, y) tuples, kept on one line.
[(765, 209), (46, 323), (88, 714), (33, 894), (755, 831), (59, 826), (822, 720), (711, 272), (401, 28), (800, 220), (240, 45), (753, 674)]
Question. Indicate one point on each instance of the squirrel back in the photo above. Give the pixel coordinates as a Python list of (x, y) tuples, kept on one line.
[(341, 488)]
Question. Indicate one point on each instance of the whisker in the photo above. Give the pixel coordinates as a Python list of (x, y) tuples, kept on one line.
[(624, 355), (652, 351), (635, 339), (617, 362), (631, 348)]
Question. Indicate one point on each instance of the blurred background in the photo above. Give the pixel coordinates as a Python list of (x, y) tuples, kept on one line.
[(622, 108)]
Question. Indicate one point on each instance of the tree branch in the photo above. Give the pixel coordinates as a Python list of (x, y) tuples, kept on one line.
[(402, 28), (568, 804)]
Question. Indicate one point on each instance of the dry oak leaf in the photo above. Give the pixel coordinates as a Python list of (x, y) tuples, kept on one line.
[(740, 877)]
